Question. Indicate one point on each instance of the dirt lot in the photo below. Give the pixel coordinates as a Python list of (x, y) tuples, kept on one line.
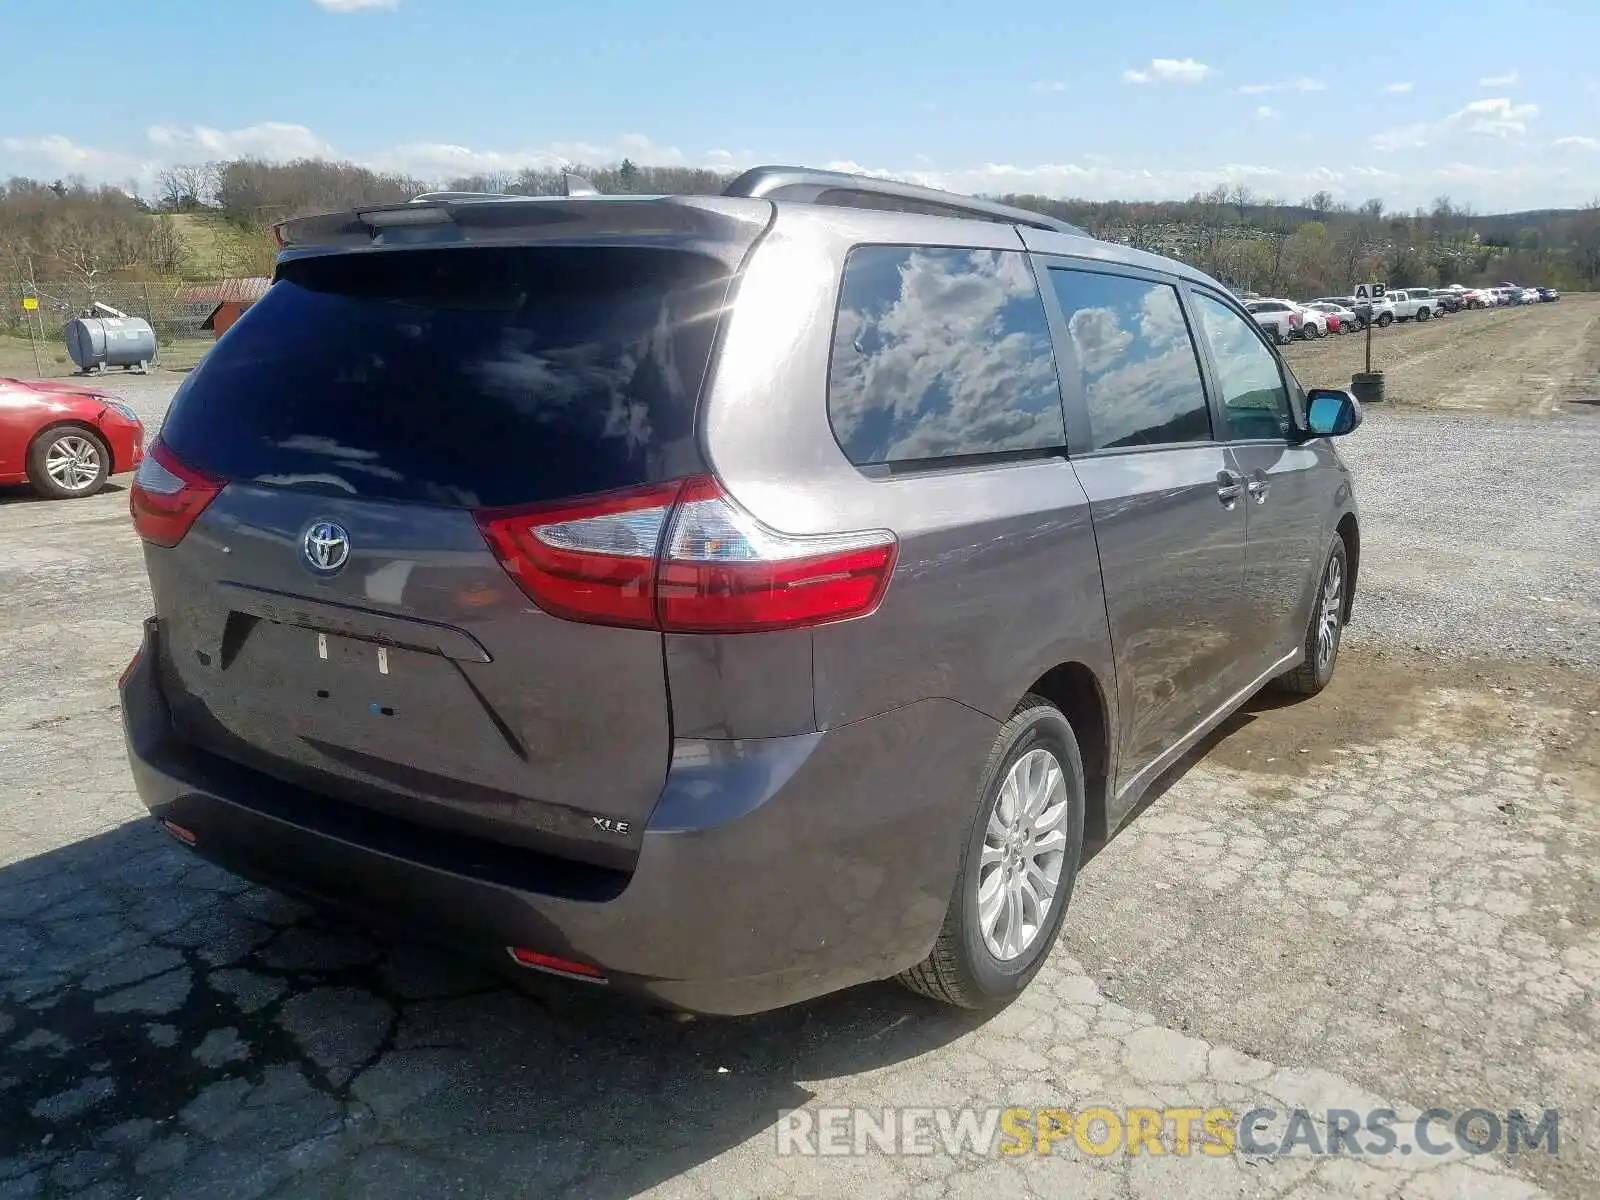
[(1385, 897), (1506, 360)]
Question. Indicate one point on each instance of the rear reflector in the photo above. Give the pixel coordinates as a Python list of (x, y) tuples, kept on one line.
[(549, 962), (683, 557), (128, 670), (167, 496), (186, 836)]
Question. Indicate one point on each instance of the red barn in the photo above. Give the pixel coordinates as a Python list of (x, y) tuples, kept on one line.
[(230, 297)]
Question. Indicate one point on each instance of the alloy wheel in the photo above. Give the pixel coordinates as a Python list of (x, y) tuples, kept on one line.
[(1024, 849), (73, 461), (1329, 615)]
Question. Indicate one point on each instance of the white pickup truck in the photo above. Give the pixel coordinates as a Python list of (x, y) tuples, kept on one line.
[(1413, 302)]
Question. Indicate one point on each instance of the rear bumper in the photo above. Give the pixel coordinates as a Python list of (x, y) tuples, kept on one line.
[(772, 870)]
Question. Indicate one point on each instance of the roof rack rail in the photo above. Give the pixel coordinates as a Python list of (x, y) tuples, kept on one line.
[(810, 186)]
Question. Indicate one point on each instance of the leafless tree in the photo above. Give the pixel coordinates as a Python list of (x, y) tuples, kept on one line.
[(1241, 199), (1320, 202), (186, 186)]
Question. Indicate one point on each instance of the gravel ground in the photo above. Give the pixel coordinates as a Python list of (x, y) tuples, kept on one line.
[(1481, 535)]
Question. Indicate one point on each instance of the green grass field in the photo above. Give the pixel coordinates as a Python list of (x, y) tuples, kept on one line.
[(17, 357), (215, 249)]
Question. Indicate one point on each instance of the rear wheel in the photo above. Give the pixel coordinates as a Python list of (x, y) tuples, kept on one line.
[(1325, 632), (68, 461), (1385, 320), (1424, 313), (1017, 868)]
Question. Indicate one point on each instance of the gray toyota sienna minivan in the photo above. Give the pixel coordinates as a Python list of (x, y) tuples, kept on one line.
[(725, 600)]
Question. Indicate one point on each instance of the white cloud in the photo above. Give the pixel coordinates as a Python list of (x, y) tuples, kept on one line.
[(1505, 80), (1170, 70), (1303, 84), (1399, 87), (268, 139), (350, 6), (64, 156), (1496, 117), (1543, 179), (1053, 85), (1266, 111)]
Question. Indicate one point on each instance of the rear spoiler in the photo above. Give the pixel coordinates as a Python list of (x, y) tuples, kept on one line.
[(727, 227)]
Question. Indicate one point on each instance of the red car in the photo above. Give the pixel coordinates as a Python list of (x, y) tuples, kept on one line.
[(66, 439)]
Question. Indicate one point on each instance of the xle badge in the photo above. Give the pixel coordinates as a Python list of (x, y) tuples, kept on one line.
[(612, 825)]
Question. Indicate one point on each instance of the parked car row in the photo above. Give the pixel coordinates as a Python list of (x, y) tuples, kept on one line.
[(1287, 320)]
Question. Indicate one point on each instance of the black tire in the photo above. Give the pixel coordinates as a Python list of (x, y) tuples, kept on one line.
[(1385, 320), (1314, 674), (1423, 314), (960, 969), (39, 474)]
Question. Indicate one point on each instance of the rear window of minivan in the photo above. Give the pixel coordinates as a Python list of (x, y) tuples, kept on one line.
[(464, 377)]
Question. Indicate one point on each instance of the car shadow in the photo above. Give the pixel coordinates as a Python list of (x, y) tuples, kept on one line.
[(22, 493), (156, 1010)]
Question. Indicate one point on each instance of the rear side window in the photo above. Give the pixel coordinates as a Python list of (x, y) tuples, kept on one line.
[(461, 377), (1136, 360), (939, 353)]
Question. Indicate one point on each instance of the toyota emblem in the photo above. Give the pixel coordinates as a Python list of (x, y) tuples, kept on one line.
[(326, 547)]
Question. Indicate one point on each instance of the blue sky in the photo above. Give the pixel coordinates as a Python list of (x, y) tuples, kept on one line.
[(1492, 102)]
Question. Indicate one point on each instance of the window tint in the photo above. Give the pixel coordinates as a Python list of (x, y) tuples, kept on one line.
[(460, 377), (1253, 393), (1141, 379), (941, 352)]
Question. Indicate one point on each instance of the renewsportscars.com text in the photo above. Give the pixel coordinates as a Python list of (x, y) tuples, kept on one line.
[(1262, 1131)]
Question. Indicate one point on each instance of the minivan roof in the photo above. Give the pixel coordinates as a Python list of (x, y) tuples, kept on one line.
[(473, 214), (724, 225)]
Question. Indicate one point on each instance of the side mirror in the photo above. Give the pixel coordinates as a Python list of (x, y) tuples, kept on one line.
[(1331, 412)]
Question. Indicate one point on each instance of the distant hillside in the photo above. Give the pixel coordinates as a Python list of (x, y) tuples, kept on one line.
[(214, 220), (215, 248)]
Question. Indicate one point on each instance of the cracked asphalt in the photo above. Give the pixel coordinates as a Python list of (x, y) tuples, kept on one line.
[(1386, 897)]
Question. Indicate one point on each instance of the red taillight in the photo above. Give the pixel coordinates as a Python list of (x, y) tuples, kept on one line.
[(724, 572), (591, 560), (167, 496), (682, 557), (1294, 319)]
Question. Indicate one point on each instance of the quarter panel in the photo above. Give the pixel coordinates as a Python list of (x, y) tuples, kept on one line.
[(981, 604), (997, 579), (748, 685)]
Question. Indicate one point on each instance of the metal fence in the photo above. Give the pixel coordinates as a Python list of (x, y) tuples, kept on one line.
[(161, 302)]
